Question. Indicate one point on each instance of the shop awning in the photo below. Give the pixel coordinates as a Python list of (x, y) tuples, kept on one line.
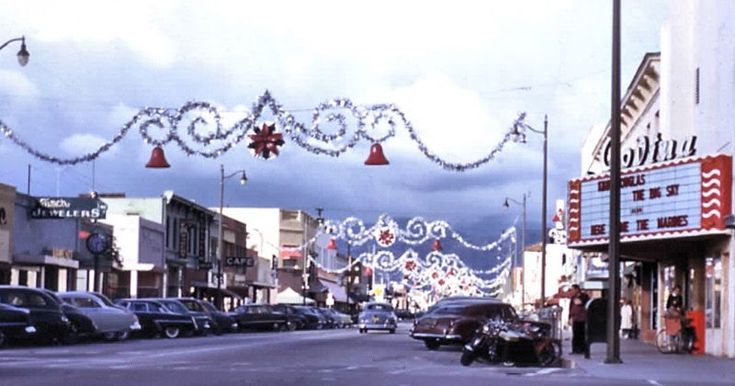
[(289, 296), (337, 291), (213, 290), (46, 260)]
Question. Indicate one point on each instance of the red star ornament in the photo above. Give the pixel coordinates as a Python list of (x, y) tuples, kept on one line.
[(266, 141)]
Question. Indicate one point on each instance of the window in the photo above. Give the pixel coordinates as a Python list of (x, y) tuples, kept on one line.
[(85, 303), (713, 292), (142, 307)]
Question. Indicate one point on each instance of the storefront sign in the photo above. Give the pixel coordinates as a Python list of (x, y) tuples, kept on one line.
[(68, 207), (239, 261), (663, 200), (648, 151)]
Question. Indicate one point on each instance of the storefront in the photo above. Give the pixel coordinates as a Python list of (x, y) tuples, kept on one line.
[(7, 214), (672, 223)]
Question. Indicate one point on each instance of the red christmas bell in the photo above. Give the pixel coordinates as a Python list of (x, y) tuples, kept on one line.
[(158, 159), (332, 245), (376, 156), (437, 246)]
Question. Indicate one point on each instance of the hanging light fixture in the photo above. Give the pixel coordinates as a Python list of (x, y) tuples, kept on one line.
[(376, 156), (158, 159), (23, 54), (332, 245), (437, 246)]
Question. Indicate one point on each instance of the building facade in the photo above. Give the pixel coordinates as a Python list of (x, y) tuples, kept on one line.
[(677, 144)]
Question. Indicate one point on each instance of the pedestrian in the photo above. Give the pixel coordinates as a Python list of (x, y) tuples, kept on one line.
[(578, 317), (675, 302), (626, 319)]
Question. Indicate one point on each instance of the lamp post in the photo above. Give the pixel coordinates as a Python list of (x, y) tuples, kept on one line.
[(220, 229), (506, 204), (519, 135), (23, 54)]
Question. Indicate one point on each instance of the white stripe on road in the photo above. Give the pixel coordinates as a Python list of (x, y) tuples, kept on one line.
[(543, 372), (653, 382)]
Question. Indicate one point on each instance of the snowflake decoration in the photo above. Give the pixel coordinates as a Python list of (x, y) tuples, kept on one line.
[(266, 141), (385, 236)]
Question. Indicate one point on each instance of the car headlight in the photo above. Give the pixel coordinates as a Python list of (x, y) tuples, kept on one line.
[(30, 329), (486, 329), (64, 319)]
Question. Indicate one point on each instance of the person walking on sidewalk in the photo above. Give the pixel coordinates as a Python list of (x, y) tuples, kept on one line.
[(578, 317), (626, 319)]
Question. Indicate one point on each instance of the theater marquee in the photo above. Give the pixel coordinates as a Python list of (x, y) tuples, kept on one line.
[(688, 196)]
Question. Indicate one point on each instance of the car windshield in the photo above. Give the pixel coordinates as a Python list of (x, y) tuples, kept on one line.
[(209, 306), (175, 307)]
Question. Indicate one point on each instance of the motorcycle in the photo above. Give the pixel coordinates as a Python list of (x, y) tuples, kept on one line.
[(511, 343)]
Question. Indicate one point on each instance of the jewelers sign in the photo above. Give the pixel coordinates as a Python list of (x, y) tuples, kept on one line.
[(688, 196), (68, 207)]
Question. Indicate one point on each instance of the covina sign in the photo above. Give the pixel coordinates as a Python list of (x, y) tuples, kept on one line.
[(647, 151), (68, 207)]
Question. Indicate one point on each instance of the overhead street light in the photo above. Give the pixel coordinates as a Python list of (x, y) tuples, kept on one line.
[(220, 229), (519, 135), (23, 54)]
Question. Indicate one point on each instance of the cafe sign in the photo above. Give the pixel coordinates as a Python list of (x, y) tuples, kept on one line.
[(68, 207), (687, 197)]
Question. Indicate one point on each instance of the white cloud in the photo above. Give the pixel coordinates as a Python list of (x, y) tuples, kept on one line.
[(78, 144)]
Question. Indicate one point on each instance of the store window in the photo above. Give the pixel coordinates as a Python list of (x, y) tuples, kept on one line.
[(713, 292)]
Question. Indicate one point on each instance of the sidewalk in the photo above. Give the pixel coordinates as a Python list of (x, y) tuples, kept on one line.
[(643, 361)]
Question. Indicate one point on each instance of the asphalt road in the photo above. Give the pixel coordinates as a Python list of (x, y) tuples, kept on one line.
[(329, 357)]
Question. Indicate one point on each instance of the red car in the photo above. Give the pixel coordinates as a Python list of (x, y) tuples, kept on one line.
[(455, 322)]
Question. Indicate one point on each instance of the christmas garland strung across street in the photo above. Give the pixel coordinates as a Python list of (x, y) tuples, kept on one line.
[(197, 129), (437, 272)]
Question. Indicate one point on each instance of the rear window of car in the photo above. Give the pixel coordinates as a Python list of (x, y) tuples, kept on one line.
[(175, 307), (379, 307)]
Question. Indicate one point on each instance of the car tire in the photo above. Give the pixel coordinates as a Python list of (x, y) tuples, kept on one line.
[(291, 326), (109, 336), (467, 358), (122, 335), (3, 340), (432, 344), (392, 331), (171, 332), (71, 336)]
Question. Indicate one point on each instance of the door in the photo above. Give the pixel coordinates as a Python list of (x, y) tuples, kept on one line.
[(713, 305)]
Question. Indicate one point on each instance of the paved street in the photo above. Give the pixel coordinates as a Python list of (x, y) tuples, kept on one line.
[(330, 357)]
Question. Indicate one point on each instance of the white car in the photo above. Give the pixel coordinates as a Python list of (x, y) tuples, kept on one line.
[(113, 322)]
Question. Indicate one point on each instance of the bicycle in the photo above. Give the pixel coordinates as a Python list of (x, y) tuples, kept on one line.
[(677, 336)]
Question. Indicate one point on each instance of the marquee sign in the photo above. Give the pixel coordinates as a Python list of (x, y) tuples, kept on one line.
[(685, 196)]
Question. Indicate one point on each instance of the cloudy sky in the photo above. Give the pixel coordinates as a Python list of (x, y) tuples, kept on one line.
[(461, 72)]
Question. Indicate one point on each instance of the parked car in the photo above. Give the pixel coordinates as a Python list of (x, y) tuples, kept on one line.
[(112, 322), (202, 322), (221, 321), (297, 320), (51, 323), (314, 320), (260, 317), (155, 319), (340, 320), (80, 325), (15, 324), (329, 318), (377, 316), (455, 322)]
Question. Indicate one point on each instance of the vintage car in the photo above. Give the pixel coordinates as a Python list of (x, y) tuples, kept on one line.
[(221, 321), (15, 324), (340, 320), (455, 322), (377, 316), (48, 318), (260, 317), (80, 325), (111, 321), (202, 322), (297, 319), (155, 319), (314, 320)]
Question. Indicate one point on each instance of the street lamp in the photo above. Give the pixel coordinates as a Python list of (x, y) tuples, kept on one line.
[(220, 229), (506, 204), (519, 135), (23, 54)]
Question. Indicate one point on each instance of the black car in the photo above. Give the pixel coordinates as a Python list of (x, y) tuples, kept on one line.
[(15, 324), (203, 323), (260, 317), (221, 321), (296, 319), (314, 319), (330, 319), (46, 315), (155, 319)]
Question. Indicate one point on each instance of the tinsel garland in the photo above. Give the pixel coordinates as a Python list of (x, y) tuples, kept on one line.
[(202, 133)]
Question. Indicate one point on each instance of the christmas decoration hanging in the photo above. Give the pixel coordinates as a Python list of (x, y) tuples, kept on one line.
[(266, 141)]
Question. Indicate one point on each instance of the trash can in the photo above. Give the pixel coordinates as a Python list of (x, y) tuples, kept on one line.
[(551, 316), (596, 325)]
